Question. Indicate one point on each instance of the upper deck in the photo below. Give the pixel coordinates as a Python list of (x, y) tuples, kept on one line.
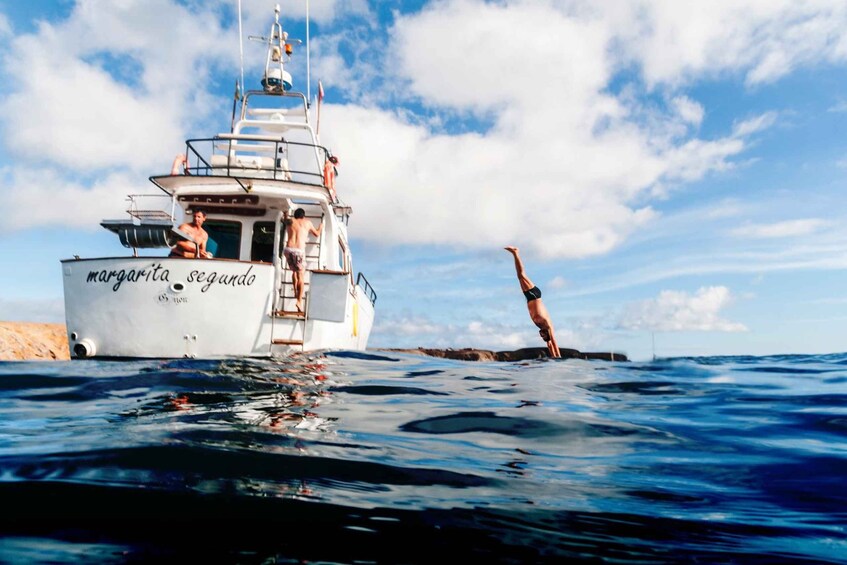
[(272, 141)]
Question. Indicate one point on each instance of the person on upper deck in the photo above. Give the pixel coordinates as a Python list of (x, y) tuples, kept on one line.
[(179, 160), (297, 232), (330, 172), (537, 312), (189, 249)]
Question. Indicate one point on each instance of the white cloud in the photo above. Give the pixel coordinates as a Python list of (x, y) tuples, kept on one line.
[(320, 12), (680, 311), (419, 331), (562, 154), (114, 85), (676, 42), (559, 150), (34, 197), (690, 111), (754, 125), (558, 282), (410, 331), (727, 208), (788, 228), (5, 26)]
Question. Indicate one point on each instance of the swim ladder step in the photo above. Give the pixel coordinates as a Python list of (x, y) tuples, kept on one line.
[(287, 342), (290, 314)]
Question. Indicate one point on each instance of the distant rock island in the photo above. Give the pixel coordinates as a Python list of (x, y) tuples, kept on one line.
[(471, 354), (21, 341)]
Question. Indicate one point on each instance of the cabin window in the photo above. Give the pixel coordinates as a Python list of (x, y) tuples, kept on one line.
[(262, 245), (224, 238), (343, 256)]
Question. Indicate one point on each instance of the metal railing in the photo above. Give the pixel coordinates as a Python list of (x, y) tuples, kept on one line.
[(256, 156), (156, 207), (369, 291)]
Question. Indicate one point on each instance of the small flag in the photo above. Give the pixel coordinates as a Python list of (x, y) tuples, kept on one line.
[(320, 98)]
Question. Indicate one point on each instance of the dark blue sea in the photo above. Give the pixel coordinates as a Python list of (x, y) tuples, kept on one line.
[(384, 457)]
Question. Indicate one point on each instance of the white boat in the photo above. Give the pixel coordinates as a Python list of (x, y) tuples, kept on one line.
[(240, 302)]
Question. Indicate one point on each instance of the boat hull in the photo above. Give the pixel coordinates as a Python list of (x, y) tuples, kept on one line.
[(151, 307), (171, 308)]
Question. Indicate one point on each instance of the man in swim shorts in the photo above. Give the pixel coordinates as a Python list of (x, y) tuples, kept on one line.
[(537, 312), (197, 246), (297, 232)]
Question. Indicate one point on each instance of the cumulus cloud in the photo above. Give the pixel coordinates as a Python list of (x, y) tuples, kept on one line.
[(114, 85), (676, 42), (420, 331), (5, 26), (523, 123), (690, 111), (558, 282), (409, 331), (788, 228), (561, 154), (679, 311), (35, 197), (754, 125)]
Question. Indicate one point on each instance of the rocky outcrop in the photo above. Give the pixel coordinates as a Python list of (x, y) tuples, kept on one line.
[(470, 354), (29, 340)]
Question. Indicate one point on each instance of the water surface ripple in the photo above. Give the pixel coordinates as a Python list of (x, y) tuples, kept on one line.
[(393, 458)]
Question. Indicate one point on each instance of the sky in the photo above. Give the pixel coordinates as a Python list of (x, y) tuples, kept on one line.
[(673, 172)]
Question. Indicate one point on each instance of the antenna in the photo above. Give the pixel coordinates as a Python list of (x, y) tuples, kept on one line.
[(308, 63), (276, 79), (241, 43)]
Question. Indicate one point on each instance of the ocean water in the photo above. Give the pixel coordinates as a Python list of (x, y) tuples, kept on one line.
[(393, 458)]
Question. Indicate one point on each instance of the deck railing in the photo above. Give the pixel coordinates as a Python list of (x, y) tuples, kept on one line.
[(256, 156), (369, 291)]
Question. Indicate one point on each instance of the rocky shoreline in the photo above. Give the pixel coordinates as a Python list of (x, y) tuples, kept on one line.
[(20, 341), (471, 354)]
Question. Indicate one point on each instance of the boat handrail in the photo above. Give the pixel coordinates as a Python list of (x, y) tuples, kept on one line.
[(261, 93), (250, 137), (273, 125), (224, 155), (366, 286), (287, 112)]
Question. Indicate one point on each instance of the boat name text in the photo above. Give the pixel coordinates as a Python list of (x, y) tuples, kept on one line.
[(155, 273), (244, 279)]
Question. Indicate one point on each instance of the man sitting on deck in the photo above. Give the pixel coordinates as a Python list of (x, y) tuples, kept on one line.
[(297, 232), (537, 311), (189, 249)]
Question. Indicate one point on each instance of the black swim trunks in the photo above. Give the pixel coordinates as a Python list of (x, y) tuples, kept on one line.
[(532, 294)]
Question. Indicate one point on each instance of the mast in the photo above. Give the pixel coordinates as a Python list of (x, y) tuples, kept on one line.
[(308, 62)]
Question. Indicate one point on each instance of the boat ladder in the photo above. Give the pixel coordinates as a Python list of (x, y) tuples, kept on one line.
[(286, 303)]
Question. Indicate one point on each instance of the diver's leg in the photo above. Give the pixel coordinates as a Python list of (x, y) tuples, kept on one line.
[(524, 280)]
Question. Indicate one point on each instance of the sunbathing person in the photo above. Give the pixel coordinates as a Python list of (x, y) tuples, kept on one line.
[(189, 249)]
